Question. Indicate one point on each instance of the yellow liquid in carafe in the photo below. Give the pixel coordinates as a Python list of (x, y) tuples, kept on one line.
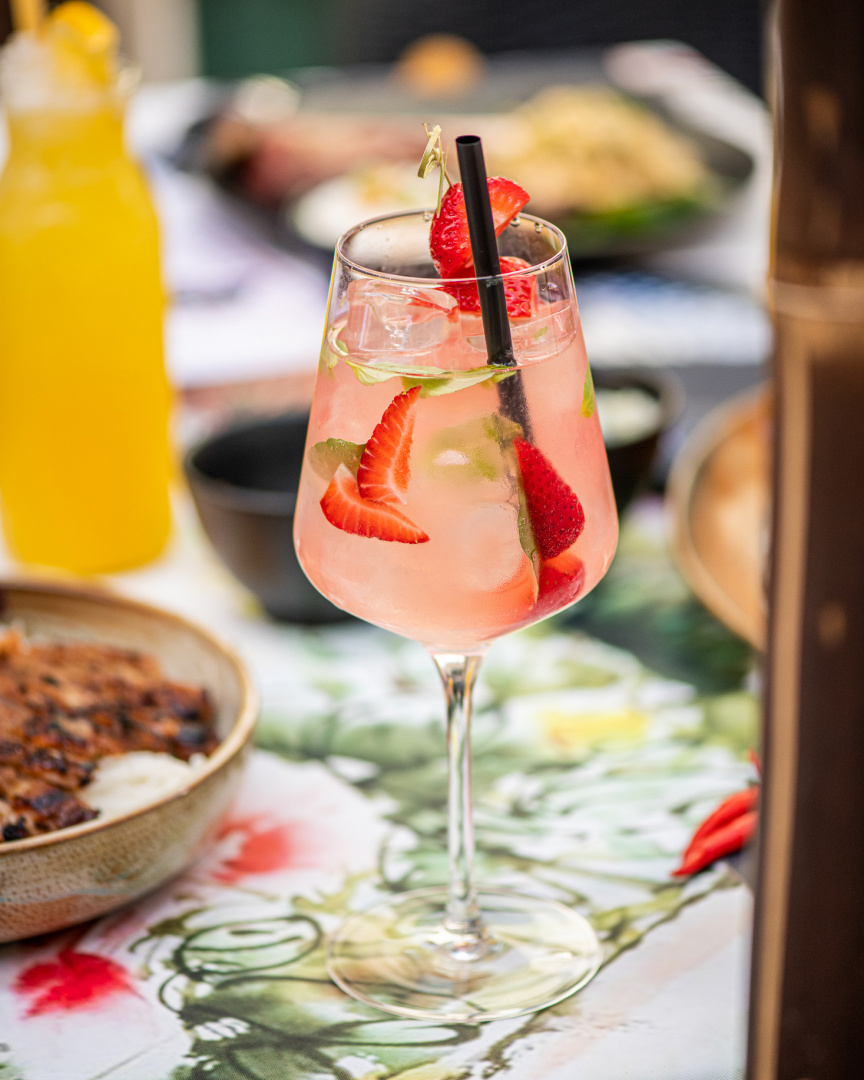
[(84, 399)]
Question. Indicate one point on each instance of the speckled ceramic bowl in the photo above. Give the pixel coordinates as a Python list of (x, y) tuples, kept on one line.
[(65, 877)]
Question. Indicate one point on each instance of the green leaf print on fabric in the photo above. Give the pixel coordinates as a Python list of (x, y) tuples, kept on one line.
[(592, 766)]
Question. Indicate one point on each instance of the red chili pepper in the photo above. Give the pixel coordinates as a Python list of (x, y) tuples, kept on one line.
[(757, 761), (728, 810), (714, 845)]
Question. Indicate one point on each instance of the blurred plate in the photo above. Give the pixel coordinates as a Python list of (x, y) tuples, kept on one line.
[(718, 493), (321, 216), (646, 227), (372, 92)]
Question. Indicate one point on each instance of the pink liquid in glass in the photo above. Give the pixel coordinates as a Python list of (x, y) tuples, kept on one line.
[(478, 576)]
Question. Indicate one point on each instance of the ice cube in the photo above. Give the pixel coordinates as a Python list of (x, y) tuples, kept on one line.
[(545, 334), (548, 333), (485, 544), (385, 318)]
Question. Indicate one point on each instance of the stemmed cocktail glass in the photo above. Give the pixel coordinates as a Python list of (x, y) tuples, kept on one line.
[(452, 501)]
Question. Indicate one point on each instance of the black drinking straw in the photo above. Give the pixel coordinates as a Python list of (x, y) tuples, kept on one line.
[(490, 285), (484, 250)]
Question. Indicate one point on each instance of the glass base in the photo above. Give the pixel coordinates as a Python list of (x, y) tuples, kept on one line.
[(399, 957)]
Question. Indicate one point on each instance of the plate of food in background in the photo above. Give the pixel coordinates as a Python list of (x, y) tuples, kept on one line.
[(719, 497), (123, 734), (620, 175)]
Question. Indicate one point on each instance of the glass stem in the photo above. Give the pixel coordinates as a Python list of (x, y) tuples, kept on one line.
[(458, 672)]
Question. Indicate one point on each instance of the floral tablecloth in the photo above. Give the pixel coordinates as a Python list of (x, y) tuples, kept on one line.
[(601, 738)]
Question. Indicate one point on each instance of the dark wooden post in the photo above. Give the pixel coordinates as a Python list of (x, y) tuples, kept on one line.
[(5, 21), (807, 999)]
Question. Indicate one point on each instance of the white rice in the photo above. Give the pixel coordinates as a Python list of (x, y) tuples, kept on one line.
[(128, 782)]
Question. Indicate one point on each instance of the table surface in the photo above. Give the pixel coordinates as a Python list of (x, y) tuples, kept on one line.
[(602, 737)]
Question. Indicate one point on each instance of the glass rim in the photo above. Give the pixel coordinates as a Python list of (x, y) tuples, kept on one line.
[(425, 282)]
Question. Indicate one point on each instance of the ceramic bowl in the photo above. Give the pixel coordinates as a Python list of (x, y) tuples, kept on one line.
[(244, 481), (75, 874), (632, 455)]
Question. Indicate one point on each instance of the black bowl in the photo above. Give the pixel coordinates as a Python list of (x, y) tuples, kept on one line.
[(244, 483), (632, 459)]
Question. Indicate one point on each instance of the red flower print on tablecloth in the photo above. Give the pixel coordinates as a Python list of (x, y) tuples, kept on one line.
[(255, 845), (296, 824), (75, 980)]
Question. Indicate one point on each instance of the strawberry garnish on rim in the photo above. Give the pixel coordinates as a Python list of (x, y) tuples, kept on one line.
[(557, 517), (345, 507), (449, 239), (384, 469)]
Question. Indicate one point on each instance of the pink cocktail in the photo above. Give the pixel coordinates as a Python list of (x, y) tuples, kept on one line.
[(452, 501)]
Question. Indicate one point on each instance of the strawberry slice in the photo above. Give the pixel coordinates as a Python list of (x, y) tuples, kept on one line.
[(384, 469), (562, 579), (345, 507), (556, 514), (519, 293), (449, 239)]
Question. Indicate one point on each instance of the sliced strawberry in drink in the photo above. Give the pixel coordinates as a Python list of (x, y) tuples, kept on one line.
[(562, 579), (345, 507), (519, 293), (384, 469), (449, 239), (556, 514)]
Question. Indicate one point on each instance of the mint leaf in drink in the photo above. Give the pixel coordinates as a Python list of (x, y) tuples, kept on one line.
[(527, 539), (502, 429), (589, 401), (433, 382), (475, 450), (467, 452), (325, 457), (334, 349)]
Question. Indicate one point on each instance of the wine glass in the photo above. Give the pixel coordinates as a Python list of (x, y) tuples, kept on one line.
[(453, 501)]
